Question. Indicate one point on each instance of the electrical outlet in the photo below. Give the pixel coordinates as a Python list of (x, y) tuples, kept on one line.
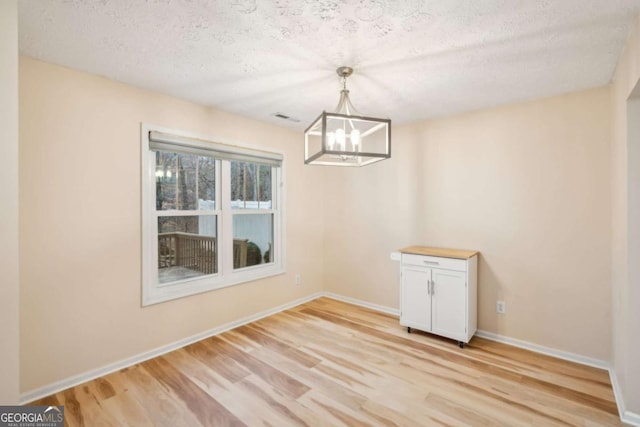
[(298, 280), (501, 308)]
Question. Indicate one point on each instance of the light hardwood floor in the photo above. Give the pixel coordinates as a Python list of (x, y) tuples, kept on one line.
[(331, 363)]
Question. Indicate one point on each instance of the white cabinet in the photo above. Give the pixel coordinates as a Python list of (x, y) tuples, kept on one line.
[(439, 291)]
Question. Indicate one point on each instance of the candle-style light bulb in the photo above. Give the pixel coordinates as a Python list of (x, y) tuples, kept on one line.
[(340, 138), (331, 140), (355, 139)]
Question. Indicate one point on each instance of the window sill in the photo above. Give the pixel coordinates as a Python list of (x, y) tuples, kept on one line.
[(157, 294)]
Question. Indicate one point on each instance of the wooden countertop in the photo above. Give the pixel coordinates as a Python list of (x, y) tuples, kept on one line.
[(441, 252)]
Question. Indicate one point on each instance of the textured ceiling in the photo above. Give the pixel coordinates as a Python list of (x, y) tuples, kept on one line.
[(413, 59)]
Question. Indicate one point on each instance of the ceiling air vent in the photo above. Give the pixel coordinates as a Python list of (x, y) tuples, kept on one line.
[(285, 117)]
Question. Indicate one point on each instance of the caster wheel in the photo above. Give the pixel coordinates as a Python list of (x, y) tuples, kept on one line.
[(408, 329), (460, 344)]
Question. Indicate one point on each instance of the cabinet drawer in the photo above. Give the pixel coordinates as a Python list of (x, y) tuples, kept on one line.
[(435, 262)]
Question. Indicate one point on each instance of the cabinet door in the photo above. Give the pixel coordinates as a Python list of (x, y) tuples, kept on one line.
[(415, 301), (449, 303)]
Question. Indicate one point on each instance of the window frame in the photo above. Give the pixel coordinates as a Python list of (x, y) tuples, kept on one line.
[(154, 292)]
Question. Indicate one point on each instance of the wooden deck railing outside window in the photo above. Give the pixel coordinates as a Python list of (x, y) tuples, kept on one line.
[(196, 252)]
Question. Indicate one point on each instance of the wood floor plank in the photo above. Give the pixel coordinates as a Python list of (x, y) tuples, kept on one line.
[(127, 411), (255, 333), (217, 361), (340, 414), (72, 411), (279, 380), (84, 407), (327, 363), (250, 399), (162, 406), (320, 383), (222, 390), (206, 409), (291, 411)]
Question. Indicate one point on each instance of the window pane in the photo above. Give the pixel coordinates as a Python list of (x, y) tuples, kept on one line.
[(252, 239), (185, 182), (186, 247), (250, 186)]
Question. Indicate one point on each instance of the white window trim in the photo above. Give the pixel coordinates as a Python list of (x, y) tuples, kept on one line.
[(152, 293)]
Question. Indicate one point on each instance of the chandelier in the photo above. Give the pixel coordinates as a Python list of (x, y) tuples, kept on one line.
[(344, 137)]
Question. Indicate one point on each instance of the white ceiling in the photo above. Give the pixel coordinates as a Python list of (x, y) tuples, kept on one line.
[(413, 59)]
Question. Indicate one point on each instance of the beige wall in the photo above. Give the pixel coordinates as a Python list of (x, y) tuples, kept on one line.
[(9, 284), (527, 185), (80, 224), (625, 216)]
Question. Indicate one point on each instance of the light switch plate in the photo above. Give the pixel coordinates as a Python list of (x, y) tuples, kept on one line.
[(395, 256)]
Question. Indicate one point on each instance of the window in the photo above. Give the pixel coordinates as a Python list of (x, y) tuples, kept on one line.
[(186, 216), (212, 215), (251, 204)]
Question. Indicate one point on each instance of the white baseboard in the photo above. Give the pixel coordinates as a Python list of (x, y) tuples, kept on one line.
[(354, 301), (627, 417), (631, 418), (565, 355), (57, 386), (617, 391)]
